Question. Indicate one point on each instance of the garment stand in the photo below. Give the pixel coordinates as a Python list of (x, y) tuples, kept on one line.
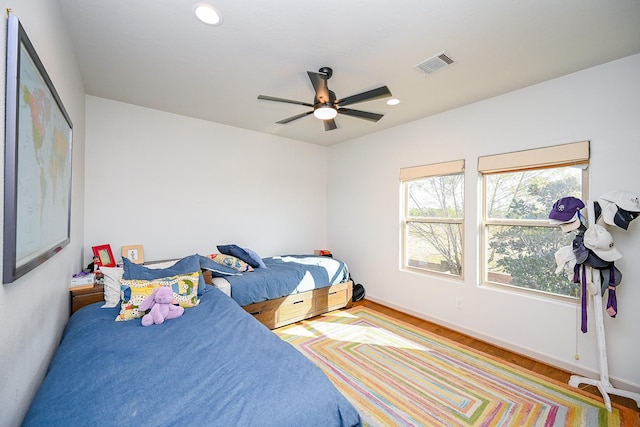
[(603, 384)]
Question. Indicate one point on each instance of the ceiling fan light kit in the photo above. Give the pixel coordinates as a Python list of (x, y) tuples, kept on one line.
[(325, 112), (325, 105)]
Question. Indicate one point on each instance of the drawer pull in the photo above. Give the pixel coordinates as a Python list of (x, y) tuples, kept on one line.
[(298, 302), (256, 312), (333, 293)]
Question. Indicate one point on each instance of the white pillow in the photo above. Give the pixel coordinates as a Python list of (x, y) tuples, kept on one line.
[(112, 276), (222, 284)]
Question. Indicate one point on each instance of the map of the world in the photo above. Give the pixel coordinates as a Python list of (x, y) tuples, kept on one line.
[(44, 171)]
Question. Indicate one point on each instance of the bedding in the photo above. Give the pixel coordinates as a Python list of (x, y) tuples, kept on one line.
[(213, 366), (156, 270), (244, 254), (284, 275)]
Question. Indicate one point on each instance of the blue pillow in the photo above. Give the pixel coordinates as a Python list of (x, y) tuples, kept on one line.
[(188, 264), (217, 270), (238, 252), (254, 256)]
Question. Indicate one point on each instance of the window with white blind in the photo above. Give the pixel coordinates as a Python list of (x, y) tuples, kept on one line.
[(433, 213), (519, 190)]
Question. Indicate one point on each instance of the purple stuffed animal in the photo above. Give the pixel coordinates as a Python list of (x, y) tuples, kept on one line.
[(161, 304)]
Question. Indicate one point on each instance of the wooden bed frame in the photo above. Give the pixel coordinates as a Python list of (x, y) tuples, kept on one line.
[(278, 312)]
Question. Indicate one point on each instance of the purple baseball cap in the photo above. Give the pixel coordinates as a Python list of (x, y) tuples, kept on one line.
[(565, 210)]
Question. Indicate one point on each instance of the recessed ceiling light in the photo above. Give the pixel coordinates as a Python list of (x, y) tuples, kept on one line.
[(393, 101), (207, 14)]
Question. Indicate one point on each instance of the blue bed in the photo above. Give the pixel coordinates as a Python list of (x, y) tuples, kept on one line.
[(286, 275), (214, 366)]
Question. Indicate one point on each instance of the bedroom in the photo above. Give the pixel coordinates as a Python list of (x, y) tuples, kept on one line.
[(329, 197)]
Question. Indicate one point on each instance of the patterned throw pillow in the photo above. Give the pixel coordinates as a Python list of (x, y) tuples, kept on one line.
[(231, 261), (245, 254), (134, 291)]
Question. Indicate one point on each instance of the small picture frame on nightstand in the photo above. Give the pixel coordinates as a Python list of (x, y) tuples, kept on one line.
[(134, 253), (103, 255)]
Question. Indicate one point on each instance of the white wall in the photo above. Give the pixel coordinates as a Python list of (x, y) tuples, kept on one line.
[(35, 308), (602, 105), (178, 185)]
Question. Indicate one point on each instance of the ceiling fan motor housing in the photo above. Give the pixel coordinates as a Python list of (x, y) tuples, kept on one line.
[(332, 100), (327, 71)]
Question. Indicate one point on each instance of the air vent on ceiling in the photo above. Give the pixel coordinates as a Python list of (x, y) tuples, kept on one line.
[(434, 63)]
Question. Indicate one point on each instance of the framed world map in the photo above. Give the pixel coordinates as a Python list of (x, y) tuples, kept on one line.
[(38, 153)]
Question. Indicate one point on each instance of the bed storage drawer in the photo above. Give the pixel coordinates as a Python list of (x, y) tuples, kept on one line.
[(337, 298), (283, 311), (266, 317), (265, 312), (296, 306)]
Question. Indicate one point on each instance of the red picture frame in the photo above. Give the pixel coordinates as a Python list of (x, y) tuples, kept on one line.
[(104, 255)]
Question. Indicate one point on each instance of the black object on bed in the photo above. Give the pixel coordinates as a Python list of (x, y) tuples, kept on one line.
[(214, 366)]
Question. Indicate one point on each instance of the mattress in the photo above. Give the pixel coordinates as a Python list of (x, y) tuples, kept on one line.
[(284, 275), (213, 366)]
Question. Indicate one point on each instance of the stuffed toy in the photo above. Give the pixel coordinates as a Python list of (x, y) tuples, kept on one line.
[(161, 304)]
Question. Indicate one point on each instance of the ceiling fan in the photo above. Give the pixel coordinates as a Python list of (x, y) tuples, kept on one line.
[(325, 105)]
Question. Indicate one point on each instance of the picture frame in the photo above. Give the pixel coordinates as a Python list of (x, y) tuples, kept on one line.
[(134, 253), (38, 158), (104, 255)]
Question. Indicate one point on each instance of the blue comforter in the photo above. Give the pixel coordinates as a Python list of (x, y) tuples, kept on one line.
[(214, 366), (284, 276)]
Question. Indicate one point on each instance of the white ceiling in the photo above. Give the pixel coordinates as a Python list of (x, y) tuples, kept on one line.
[(154, 53)]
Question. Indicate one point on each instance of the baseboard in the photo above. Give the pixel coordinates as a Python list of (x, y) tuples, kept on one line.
[(616, 382)]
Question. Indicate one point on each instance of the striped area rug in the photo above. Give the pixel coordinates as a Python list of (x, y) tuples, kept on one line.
[(398, 375)]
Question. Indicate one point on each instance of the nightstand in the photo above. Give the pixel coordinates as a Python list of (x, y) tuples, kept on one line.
[(80, 298)]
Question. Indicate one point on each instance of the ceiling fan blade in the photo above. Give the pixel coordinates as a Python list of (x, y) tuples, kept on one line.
[(288, 101), (381, 92), (374, 117), (330, 124), (292, 118), (319, 82)]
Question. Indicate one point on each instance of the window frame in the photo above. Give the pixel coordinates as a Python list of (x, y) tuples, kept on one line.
[(416, 173), (565, 155)]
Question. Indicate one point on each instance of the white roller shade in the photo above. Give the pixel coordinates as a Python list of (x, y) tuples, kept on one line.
[(437, 169), (576, 153)]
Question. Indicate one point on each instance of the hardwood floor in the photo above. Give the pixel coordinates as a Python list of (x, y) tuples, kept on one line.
[(497, 352)]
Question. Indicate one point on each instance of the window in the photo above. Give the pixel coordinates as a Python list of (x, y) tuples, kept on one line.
[(519, 190), (433, 206)]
